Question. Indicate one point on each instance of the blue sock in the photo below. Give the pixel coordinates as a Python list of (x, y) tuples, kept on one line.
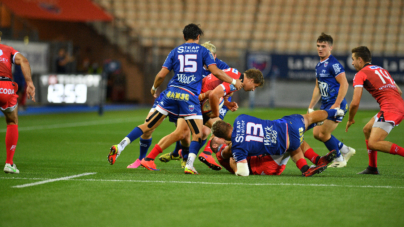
[(177, 149), (185, 152), (311, 126), (332, 144), (203, 143), (331, 112), (144, 147), (134, 134), (194, 148)]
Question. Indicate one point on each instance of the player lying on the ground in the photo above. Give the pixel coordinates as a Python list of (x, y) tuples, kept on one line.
[(264, 164), (251, 79), (181, 98), (251, 136), (378, 82)]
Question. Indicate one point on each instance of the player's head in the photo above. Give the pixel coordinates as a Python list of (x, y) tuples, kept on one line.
[(216, 144), (210, 47), (360, 56), (252, 78), (192, 31), (222, 130), (324, 45)]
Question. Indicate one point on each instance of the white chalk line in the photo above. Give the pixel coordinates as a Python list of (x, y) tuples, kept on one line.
[(215, 183), (76, 124), (51, 180)]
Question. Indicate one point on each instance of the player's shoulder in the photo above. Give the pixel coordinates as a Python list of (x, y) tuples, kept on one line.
[(5, 47)]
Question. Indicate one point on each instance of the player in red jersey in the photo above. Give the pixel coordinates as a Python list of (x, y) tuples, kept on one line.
[(251, 79), (8, 98), (378, 82)]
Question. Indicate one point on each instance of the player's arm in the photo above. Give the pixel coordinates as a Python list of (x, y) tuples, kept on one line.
[(214, 98), (158, 80), (26, 71), (224, 77), (204, 96), (232, 106), (315, 97), (353, 107), (343, 89), (398, 88), (241, 168)]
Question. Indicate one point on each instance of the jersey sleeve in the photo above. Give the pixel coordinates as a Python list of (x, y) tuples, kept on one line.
[(239, 154), (208, 58), (13, 54), (221, 64), (169, 62), (359, 79), (336, 68)]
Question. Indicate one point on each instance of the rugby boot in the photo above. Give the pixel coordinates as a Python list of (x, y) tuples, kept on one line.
[(350, 153), (11, 168), (150, 165), (314, 170), (326, 159), (370, 170), (168, 157), (338, 164), (190, 171), (134, 165), (113, 154), (209, 161)]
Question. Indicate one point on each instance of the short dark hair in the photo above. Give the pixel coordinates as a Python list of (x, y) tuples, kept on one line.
[(362, 52), (191, 31), (255, 74), (325, 38), (220, 129)]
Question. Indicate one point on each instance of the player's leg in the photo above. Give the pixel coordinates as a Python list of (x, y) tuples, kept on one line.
[(372, 154), (11, 115), (195, 126), (206, 155)]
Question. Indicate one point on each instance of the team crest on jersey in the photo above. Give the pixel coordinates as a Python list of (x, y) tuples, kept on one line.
[(191, 108), (337, 69), (260, 61), (326, 64), (1, 52)]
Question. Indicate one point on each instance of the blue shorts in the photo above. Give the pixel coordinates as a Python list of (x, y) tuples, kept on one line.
[(296, 128), (343, 106), (171, 118), (180, 103)]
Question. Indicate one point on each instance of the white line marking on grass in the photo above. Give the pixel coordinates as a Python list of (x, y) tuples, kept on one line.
[(76, 124), (52, 180), (212, 183)]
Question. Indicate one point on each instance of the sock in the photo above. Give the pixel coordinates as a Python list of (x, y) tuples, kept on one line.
[(153, 153), (11, 142), (311, 126), (134, 134), (393, 150), (312, 156), (177, 149), (343, 148), (194, 148), (185, 153), (331, 112), (190, 161), (207, 149), (302, 165), (121, 146), (203, 143), (332, 144), (372, 156), (144, 147)]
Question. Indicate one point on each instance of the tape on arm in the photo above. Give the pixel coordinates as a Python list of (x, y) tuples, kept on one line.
[(242, 169)]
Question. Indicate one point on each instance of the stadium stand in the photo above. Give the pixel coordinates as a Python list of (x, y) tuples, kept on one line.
[(271, 25)]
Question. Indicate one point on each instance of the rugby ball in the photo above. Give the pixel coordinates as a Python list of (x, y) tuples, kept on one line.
[(206, 108)]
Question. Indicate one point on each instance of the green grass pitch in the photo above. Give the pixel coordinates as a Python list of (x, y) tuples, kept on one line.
[(63, 145)]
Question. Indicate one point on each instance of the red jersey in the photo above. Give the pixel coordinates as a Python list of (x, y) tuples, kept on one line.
[(378, 82), (210, 82), (7, 55)]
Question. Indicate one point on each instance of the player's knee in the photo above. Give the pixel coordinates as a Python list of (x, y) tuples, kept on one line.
[(321, 136), (366, 131), (148, 134), (372, 144)]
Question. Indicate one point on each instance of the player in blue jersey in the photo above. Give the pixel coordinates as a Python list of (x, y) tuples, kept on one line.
[(331, 87), (251, 136), (181, 96)]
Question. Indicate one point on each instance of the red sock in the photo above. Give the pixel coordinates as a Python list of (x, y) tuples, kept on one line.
[(154, 152), (372, 156), (311, 155), (395, 149), (11, 142), (207, 149), (301, 163)]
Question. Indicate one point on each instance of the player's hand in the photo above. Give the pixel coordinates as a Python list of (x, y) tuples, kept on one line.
[(335, 106), (348, 124), (201, 97), (238, 85), (31, 91), (233, 106), (153, 93)]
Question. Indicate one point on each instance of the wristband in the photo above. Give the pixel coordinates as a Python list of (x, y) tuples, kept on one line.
[(153, 88), (310, 110), (234, 82)]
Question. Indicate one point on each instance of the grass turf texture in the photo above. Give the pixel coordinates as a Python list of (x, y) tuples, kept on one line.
[(55, 146)]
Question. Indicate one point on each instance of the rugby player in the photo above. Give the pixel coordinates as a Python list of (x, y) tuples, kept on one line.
[(251, 136), (8, 98), (331, 87), (181, 96), (378, 82)]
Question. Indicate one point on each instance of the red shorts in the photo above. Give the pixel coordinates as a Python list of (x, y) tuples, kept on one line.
[(265, 165), (387, 116), (8, 96)]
